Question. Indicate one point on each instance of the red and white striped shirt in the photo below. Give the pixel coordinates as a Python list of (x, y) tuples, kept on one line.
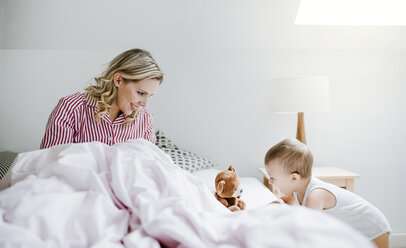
[(72, 121)]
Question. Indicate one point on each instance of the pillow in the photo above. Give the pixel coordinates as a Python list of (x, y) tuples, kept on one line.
[(184, 159), (6, 160), (208, 176)]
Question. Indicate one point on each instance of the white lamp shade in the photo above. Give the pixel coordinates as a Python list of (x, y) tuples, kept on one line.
[(300, 94)]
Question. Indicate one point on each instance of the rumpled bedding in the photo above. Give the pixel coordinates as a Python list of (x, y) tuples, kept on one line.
[(133, 195)]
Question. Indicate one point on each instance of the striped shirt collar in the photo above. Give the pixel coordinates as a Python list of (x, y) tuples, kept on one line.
[(92, 102)]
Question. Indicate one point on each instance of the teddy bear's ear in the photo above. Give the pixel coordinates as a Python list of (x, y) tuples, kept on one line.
[(231, 168), (220, 186)]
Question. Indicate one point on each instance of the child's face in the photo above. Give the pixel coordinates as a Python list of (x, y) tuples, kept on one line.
[(279, 177)]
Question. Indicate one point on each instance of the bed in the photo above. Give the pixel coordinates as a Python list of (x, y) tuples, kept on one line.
[(133, 195)]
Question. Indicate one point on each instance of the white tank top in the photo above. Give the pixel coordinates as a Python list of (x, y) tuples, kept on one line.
[(352, 209)]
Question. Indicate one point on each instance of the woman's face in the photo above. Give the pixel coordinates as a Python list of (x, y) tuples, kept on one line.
[(133, 95)]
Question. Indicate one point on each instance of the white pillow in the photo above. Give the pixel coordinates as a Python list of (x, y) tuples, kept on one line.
[(208, 176), (255, 194)]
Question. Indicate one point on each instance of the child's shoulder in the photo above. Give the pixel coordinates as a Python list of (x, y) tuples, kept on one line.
[(320, 198)]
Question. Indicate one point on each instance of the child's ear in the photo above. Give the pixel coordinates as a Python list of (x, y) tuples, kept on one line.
[(294, 177)]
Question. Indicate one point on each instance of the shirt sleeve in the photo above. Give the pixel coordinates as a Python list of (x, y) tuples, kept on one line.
[(149, 132), (60, 126)]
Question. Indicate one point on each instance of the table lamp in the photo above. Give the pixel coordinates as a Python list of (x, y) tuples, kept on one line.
[(299, 95)]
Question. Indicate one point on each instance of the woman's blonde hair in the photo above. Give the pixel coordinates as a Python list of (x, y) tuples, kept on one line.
[(293, 155), (133, 65)]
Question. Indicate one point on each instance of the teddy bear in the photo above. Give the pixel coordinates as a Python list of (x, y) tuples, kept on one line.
[(228, 189)]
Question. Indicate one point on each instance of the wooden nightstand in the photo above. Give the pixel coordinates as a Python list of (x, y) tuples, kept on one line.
[(334, 175)]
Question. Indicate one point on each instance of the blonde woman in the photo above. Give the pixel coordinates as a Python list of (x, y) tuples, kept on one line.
[(113, 109)]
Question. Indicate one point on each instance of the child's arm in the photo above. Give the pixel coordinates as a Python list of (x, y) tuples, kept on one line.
[(277, 201), (290, 199), (320, 199)]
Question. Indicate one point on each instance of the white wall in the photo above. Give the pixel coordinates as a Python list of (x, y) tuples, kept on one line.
[(219, 58), (2, 23), (2, 30)]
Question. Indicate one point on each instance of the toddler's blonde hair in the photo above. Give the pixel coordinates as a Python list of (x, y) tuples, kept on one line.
[(293, 155)]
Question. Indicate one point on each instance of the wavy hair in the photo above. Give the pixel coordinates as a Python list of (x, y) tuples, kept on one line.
[(134, 65)]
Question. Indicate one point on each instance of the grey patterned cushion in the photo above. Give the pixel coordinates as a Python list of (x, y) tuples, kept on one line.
[(6, 160), (186, 160)]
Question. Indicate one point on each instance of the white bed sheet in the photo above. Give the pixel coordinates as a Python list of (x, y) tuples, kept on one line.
[(133, 195), (254, 194)]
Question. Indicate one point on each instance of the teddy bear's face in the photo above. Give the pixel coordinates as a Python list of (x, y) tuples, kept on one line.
[(227, 184)]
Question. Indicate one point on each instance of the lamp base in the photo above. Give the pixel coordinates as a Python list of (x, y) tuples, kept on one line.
[(300, 132)]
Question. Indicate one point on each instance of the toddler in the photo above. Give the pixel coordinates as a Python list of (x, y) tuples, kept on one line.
[(289, 166)]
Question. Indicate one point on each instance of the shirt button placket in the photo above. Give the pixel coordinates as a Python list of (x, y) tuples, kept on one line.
[(113, 134), (111, 138)]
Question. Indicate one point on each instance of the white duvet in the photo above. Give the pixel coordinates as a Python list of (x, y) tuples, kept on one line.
[(132, 195)]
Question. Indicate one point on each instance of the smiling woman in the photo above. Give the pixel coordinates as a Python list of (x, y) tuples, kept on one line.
[(113, 109)]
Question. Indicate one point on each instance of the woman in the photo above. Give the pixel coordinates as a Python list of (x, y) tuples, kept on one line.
[(112, 110)]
